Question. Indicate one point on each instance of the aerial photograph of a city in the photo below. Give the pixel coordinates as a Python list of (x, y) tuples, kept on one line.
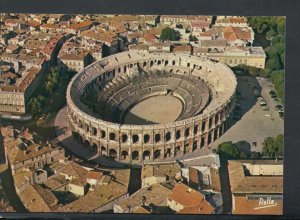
[(145, 114)]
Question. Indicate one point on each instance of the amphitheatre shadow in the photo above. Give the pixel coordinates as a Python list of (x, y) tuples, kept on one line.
[(248, 91), (134, 119)]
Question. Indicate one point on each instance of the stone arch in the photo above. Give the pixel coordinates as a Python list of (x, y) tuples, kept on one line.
[(80, 123), (102, 134), (178, 134), (177, 151), (156, 154), (168, 136), (135, 155), (103, 150), (209, 138), (215, 133), (146, 155), (113, 153), (124, 154), (146, 138), (112, 136), (151, 63), (187, 132), (195, 144), (157, 138), (196, 127), (168, 152), (94, 131), (135, 138), (124, 138)]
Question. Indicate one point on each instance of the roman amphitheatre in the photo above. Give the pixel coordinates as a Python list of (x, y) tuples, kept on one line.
[(136, 106)]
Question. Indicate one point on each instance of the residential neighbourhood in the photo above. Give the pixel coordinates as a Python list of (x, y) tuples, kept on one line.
[(65, 144)]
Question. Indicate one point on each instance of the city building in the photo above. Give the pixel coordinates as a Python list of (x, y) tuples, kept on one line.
[(25, 150), (185, 200), (256, 186), (159, 173)]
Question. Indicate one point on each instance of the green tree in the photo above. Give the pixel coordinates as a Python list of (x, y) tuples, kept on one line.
[(273, 147), (228, 150), (169, 34), (273, 63)]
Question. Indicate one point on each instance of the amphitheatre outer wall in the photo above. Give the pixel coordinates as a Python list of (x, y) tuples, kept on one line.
[(129, 143)]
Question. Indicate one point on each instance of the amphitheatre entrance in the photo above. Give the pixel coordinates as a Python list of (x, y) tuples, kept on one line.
[(155, 110)]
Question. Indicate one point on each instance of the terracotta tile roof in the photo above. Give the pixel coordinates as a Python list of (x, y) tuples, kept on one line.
[(182, 48), (33, 201), (162, 170), (194, 202), (241, 183), (94, 175), (150, 38), (236, 33), (185, 195), (80, 25)]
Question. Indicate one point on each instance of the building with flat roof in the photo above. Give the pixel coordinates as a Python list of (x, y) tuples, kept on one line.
[(256, 186)]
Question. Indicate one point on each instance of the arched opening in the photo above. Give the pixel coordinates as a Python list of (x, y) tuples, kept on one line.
[(157, 138), (94, 131), (216, 119), (209, 139), (173, 62), (156, 154), (146, 138), (113, 153), (124, 138), (177, 134), (188, 65), (125, 68), (135, 138), (151, 63), (146, 155), (166, 63), (86, 144), (203, 126), (124, 155), (80, 123), (187, 132), (202, 142), (186, 147), (216, 134), (112, 136), (168, 152), (158, 62), (220, 130), (168, 136), (144, 64), (177, 151), (87, 127), (195, 145), (196, 129), (103, 134), (103, 150), (135, 155)]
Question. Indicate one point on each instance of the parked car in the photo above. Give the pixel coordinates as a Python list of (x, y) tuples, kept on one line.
[(263, 103), (266, 108), (268, 115)]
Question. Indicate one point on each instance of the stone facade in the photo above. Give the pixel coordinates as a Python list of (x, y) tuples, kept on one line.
[(156, 141)]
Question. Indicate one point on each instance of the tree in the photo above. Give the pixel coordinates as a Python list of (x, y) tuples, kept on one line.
[(169, 34), (273, 147), (228, 150), (273, 63)]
